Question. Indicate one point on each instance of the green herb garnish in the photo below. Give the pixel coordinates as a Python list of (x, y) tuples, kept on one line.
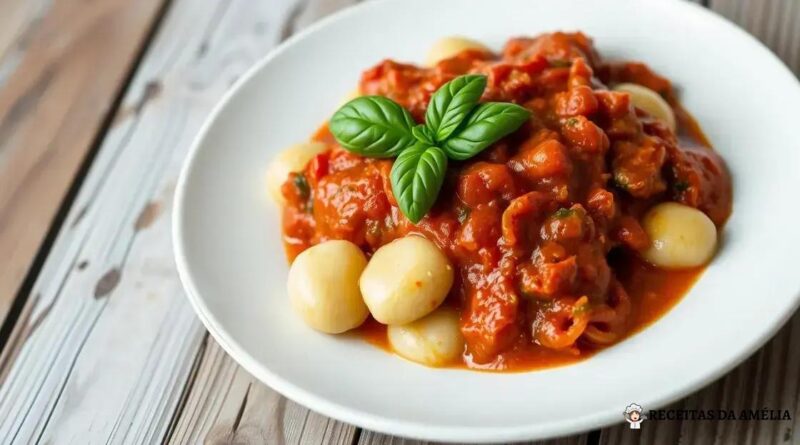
[(301, 183), (621, 182), (580, 309), (373, 126), (563, 213), (681, 186), (560, 63), (462, 213), (456, 127), (417, 176), (303, 191)]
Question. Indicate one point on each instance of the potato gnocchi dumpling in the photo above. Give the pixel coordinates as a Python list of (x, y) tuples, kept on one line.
[(406, 280), (648, 100), (323, 286), (434, 340), (449, 47), (290, 160), (681, 236)]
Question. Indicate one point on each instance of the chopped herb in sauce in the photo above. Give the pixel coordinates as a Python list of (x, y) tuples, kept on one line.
[(621, 182), (560, 63), (563, 213), (681, 186), (546, 304), (462, 213), (580, 309), (303, 190)]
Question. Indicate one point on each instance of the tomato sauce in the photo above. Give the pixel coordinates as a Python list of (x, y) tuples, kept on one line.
[(543, 227)]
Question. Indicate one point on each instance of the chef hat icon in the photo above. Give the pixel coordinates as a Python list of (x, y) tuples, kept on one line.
[(633, 407)]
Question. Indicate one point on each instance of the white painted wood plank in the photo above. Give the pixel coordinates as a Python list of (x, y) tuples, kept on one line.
[(108, 339), (228, 405)]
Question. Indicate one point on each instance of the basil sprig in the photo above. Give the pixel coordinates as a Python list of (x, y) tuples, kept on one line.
[(455, 127)]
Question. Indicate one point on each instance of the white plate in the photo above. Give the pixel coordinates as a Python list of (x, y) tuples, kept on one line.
[(229, 254)]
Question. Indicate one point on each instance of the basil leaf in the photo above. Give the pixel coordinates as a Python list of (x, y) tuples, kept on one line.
[(487, 124), (423, 134), (417, 175), (451, 104), (372, 126)]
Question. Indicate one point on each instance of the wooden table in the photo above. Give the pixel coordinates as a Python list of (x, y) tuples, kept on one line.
[(99, 101)]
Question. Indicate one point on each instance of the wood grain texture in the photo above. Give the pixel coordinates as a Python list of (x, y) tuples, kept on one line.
[(228, 405), (107, 340), (775, 22), (63, 64)]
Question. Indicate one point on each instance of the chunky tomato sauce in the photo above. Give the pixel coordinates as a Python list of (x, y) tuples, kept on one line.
[(542, 227)]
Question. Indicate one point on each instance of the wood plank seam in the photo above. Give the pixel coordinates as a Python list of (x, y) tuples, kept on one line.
[(357, 436), (187, 387)]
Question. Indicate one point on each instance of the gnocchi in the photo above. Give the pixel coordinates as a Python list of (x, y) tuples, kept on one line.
[(323, 286), (292, 159), (434, 340), (680, 236), (449, 47), (406, 280), (649, 101)]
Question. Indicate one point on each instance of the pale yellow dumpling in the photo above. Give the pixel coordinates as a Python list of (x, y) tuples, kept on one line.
[(323, 286), (434, 340), (681, 236), (292, 159), (649, 101), (406, 280), (449, 47)]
